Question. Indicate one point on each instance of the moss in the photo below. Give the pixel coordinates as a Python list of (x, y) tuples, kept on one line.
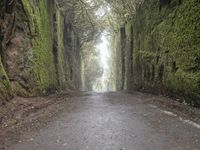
[(47, 61), (60, 28), (5, 89), (168, 37), (41, 25)]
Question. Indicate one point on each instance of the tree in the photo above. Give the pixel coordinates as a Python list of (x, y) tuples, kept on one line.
[(81, 14), (92, 68)]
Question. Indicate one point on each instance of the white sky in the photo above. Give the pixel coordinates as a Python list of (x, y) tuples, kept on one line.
[(103, 48)]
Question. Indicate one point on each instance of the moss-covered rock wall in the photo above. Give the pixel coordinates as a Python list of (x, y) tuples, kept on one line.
[(40, 20), (71, 55), (164, 48), (6, 30), (39, 53)]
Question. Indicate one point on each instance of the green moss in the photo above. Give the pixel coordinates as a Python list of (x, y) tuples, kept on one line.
[(46, 63), (41, 25), (60, 29), (5, 89), (169, 37), (128, 29)]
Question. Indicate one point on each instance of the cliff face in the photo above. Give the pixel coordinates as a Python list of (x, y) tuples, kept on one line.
[(162, 52), (71, 56), (35, 55), (6, 30)]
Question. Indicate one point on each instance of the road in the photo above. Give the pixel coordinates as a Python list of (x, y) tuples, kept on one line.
[(113, 121)]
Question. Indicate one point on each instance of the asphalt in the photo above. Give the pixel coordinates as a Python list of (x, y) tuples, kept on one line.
[(113, 121)]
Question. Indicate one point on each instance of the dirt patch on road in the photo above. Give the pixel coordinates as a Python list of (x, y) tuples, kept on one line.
[(24, 114)]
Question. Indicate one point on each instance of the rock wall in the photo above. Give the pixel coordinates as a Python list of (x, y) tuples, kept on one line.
[(72, 55), (67, 53), (163, 49), (35, 55), (6, 30)]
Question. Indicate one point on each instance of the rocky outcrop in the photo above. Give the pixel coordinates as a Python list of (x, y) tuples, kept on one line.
[(162, 49), (35, 56), (6, 30)]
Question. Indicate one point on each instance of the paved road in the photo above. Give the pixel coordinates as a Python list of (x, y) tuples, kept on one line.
[(113, 121)]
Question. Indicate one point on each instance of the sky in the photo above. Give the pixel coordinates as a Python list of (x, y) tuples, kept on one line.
[(103, 48)]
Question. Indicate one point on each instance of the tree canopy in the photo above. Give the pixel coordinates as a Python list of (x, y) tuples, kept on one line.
[(90, 18)]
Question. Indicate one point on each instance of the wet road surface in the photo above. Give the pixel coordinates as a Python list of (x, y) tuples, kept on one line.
[(113, 121)]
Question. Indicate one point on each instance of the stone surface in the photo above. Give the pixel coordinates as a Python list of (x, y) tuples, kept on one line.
[(38, 55), (162, 49)]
